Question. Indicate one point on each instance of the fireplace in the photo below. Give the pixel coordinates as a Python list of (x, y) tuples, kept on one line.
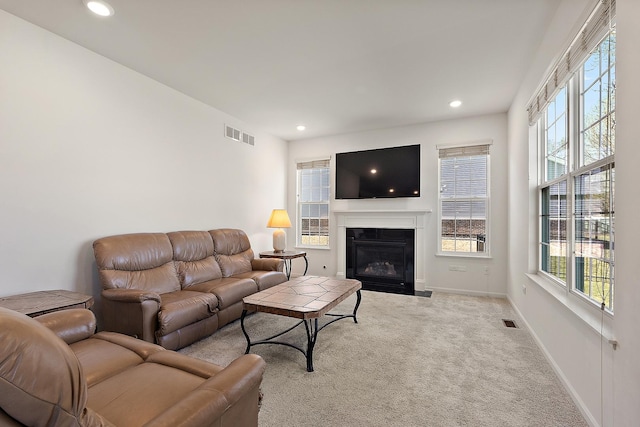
[(381, 258)]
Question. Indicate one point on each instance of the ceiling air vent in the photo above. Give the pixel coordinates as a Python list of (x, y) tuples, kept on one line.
[(248, 139), (232, 133)]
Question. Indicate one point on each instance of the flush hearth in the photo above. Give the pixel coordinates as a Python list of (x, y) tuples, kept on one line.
[(381, 258)]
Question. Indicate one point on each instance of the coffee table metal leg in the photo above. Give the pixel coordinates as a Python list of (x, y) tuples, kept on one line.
[(244, 313), (312, 336), (355, 309)]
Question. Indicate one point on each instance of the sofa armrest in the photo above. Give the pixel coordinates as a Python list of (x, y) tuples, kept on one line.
[(71, 325), (130, 295), (131, 312), (229, 398), (267, 264)]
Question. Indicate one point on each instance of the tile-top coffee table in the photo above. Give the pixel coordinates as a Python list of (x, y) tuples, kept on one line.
[(307, 298)]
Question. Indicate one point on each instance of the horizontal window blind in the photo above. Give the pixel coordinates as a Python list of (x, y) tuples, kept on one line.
[(587, 39), (314, 164), (473, 150)]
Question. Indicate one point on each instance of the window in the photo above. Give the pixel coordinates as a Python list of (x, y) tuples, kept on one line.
[(577, 170), (313, 203), (464, 200)]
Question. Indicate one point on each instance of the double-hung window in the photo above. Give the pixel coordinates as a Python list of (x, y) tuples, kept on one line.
[(464, 200), (576, 130), (313, 203)]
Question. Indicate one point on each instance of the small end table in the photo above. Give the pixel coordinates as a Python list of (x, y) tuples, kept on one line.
[(36, 303), (287, 256)]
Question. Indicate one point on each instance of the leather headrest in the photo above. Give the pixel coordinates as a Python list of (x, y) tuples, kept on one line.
[(41, 381)]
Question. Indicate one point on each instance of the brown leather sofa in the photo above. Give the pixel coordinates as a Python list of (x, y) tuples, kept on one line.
[(55, 371), (176, 288)]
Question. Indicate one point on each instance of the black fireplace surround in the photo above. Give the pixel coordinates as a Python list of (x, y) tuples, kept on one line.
[(382, 259)]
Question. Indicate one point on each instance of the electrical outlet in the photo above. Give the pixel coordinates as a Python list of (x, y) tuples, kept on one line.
[(524, 289)]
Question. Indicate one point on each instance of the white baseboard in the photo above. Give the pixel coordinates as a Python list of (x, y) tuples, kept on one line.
[(468, 292), (563, 379)]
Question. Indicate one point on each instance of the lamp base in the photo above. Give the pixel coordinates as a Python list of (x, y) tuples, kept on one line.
[(279, 240)]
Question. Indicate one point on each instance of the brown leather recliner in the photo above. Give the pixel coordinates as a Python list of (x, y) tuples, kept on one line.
[(54, 371), (176, 288)]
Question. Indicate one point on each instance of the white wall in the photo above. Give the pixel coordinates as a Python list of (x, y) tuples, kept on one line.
[(603, 382), (89, 148), (491, 127)]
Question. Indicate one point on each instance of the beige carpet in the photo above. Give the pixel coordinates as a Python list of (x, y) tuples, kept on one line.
[(447, 360)]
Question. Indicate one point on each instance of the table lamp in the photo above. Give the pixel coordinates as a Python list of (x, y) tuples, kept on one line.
[(279, 219)]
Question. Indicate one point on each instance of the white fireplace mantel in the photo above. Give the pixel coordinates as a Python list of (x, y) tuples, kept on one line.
[(401, 219)]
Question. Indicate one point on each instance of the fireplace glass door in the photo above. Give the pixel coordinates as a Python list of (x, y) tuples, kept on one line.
[(380, 260)]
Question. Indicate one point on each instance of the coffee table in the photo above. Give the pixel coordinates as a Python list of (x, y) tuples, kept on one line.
[(307, 298)]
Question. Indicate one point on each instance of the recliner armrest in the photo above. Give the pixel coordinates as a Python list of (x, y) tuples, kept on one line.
[(71, 325), (130, 295), (233, 390), (131, 312), (267, 264)]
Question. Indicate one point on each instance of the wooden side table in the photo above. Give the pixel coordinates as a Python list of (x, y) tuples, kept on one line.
[(287, 256), (36, 303)]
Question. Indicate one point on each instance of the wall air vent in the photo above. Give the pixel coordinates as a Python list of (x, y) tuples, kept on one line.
[(238, 135), (232, 133), (248, 139)]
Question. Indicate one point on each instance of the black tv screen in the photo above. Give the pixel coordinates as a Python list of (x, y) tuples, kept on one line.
[(380, 173)]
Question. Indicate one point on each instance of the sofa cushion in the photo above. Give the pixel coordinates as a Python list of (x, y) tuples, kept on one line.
[(194, 257), (264, 279), (41, 381), (228, 290), (233, 251), (101, 359), (136, 261), (182, 308), (149, 388)]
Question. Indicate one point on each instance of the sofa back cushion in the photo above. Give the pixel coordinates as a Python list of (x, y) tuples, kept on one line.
[(41, 382), (141, 261), (194, 258), (233, 251)]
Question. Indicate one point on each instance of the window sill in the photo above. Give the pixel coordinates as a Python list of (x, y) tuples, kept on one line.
[(319, 248), (598, 321), (463, 255)]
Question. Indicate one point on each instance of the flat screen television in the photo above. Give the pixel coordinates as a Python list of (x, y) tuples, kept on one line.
[(380, 173)]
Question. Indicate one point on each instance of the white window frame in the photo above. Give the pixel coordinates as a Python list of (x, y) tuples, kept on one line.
[(323, 205), (574, 133), (464, 151)]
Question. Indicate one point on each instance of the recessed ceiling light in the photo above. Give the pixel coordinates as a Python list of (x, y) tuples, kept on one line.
[(455, 104), (99, 7), (301, 127), (374, 171)]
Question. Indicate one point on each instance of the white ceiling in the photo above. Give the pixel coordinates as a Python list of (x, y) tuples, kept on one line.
[(334, 65)]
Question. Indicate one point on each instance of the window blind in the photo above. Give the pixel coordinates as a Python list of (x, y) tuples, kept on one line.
[(314, 164), (595, 28), (473, 150)]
